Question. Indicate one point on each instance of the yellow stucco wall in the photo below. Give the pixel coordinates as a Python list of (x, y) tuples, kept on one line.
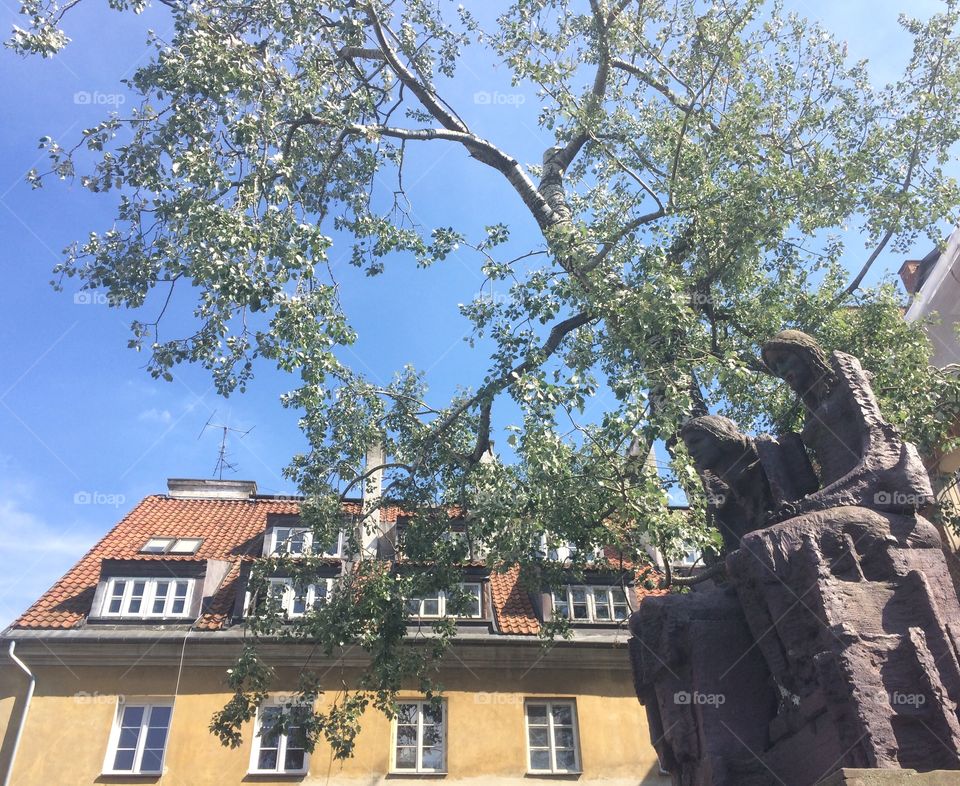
[(72, 712)]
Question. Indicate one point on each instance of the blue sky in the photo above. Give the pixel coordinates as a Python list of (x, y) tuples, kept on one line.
[(85, 432)]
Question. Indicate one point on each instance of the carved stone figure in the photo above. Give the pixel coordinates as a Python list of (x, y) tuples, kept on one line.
[(738, 495), (861, 458), (847, 599)]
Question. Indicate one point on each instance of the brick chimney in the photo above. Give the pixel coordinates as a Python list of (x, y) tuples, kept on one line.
[(370, 529), (204, 488), (909, 273)]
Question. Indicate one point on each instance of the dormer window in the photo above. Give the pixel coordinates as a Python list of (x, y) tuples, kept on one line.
[(171, 546), (296, 542), (294, 599), (562, 551), (590, 604), (435, 606), (141, 598)]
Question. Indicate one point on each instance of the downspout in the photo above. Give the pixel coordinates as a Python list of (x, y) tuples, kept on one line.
[(23, 715)]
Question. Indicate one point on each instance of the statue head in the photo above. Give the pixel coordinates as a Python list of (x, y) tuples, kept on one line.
[(799, 361), (715, 443)]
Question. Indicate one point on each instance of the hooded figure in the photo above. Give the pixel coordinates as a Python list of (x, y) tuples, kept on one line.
[(861, 458), (738, 495)]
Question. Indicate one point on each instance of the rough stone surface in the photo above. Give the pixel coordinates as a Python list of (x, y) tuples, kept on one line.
[(852, 777), (852, 610), (706, 688)]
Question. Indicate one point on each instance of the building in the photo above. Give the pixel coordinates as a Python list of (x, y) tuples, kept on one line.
[(933, 284), (113, 675)]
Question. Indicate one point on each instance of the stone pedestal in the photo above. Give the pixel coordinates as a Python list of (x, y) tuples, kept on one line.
[(705, 686), (834, 646), (856, 617), (850, 777)]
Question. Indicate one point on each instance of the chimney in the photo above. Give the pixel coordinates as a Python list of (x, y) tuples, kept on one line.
[(202, 488), (372, 491), (909, 273), (489, 457)]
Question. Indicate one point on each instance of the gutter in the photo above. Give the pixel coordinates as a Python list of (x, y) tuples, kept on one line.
[(23, 715)]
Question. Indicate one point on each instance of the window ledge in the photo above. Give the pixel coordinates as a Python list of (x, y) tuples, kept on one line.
[(416, 774), (291, 774)]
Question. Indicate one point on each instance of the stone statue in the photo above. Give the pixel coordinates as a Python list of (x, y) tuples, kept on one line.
[(861, 458), (738, 495), (843, 607)]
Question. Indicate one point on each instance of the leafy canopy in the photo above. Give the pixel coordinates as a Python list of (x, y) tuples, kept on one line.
[(707, 158)]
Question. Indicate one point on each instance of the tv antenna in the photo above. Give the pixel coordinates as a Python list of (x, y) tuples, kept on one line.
[(222, 461)]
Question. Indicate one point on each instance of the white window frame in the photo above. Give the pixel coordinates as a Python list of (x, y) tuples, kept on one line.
[(110, 757), (551, 737), (147, 599), (690, 558), (255, 746), (273, 544), (441, 598), (591, 602), (290, 594), (419, 769), (566, 551)]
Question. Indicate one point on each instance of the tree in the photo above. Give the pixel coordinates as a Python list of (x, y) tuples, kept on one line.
[(706, 156)]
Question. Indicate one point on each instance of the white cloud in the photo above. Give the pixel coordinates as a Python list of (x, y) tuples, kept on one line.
[(154, 415), (33, 552)]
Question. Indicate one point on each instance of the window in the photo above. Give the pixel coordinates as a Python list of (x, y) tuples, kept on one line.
[(436, 605), (147, 598), (552, 736), (138, 738), (419, 734), (274, 750), (296, 541), (561, 551), (171, 546), (185, 546), (590, 604), (297, 600), (690, 558)]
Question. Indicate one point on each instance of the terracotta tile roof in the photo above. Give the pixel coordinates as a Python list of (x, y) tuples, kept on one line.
[(231, 530), (511, 604)]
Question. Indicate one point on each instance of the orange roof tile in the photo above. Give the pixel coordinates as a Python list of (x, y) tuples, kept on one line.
[(230, 529), (511, 604)]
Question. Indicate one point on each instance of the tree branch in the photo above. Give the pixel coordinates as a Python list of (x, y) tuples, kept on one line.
[(507, 378)]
